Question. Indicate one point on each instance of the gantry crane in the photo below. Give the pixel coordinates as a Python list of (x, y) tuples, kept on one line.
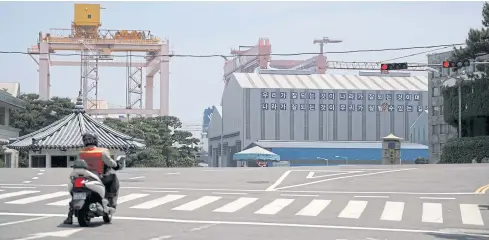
[(96, 47)]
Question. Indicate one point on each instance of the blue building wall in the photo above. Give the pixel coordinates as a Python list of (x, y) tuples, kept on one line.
[(354, 155)]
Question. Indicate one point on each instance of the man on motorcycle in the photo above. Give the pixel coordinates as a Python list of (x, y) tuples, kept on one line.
[(108, 177)]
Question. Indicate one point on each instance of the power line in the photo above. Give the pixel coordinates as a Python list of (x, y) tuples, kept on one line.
[(254, 55), (415, 54)]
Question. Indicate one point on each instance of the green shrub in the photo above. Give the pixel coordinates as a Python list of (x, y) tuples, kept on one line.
[(421, 160), (463, 150)]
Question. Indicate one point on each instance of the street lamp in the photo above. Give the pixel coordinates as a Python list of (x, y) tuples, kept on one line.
[(344, 158), (325, 159)]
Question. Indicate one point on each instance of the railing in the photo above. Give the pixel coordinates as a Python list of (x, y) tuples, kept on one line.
[(103, 41)]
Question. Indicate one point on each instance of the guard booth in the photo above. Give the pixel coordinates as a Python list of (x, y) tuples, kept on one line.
[(391, 150), (256, 157)]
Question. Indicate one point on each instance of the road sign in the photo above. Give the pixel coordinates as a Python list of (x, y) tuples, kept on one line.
[(261, 163)]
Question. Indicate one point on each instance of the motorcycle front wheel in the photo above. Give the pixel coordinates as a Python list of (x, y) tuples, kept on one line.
[(83, 218)]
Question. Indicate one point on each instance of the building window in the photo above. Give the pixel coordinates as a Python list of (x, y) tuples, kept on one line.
[(435, 111), (435, 92), (436, 129), (441, 110), (89, 16), (38, 161), (2, 115)]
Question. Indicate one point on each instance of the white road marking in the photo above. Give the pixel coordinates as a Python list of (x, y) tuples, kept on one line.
[(133, 178), (39, 198), (299, 195), (41, 173), (15, 194), (157, 202), (34, 178), (26, 181), (353, 209), (42, 170), (251, 190), (1, 190), (314, 208), (173, 173), (130, 197), (23, 221), (343, 177), (190, 206), (259, 224), (392, 211), (471, 214), (17, 187), (160, 191), (202, 227), (311, 174), (437, 198), (63, 202), (236, 205), (230, 193), (279, 180), (372, 196), (160, 238), (432, 213), (275, 206)]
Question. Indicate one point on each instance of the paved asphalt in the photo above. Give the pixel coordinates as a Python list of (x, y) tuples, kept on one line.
[(342, 202)]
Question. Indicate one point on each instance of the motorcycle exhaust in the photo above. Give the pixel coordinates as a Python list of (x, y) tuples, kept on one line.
[(96, 208)]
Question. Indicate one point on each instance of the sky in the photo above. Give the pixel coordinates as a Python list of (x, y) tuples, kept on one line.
[(216, 27)]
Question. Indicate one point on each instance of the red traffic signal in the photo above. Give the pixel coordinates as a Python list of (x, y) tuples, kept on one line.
[(456, 65), (446, 64), (393, 66)]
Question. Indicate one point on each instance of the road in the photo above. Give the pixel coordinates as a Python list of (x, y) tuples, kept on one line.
[(341, 202)]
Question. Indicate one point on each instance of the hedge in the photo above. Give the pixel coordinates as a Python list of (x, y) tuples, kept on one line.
[(463, 150), (475, 94)]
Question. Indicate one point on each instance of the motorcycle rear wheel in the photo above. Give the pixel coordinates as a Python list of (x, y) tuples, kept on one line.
[(83, 218)]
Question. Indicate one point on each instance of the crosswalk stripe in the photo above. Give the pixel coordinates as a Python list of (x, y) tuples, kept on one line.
[(157, 202), (353, 209), (190, 206), (392, 211), (15, 194), (130, 197), (432, 213), (275, 206), (39, 198), (63, 202), (315, 207), (471, 214), (236, 205)]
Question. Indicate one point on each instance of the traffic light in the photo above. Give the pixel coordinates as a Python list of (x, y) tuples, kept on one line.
[(456, 64), (393, 66)]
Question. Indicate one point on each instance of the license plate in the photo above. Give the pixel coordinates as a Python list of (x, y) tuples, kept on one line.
[(79, 195)]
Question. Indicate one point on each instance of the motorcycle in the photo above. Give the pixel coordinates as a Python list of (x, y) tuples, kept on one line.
[(88, 194)]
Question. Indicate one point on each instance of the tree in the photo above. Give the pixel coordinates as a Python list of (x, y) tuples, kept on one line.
[(166, 146), (36, 115), (39, 113), (475, 112)]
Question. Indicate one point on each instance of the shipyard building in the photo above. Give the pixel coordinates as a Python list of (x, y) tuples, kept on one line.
[(313, 107)]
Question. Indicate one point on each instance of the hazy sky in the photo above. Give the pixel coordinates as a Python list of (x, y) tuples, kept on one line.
[(215, 27)]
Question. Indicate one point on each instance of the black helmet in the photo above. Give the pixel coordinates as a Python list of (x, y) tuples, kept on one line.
[(90, 139)]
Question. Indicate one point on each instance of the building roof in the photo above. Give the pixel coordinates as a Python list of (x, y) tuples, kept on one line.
[(67, 134), (328, 81), (331, 144)]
